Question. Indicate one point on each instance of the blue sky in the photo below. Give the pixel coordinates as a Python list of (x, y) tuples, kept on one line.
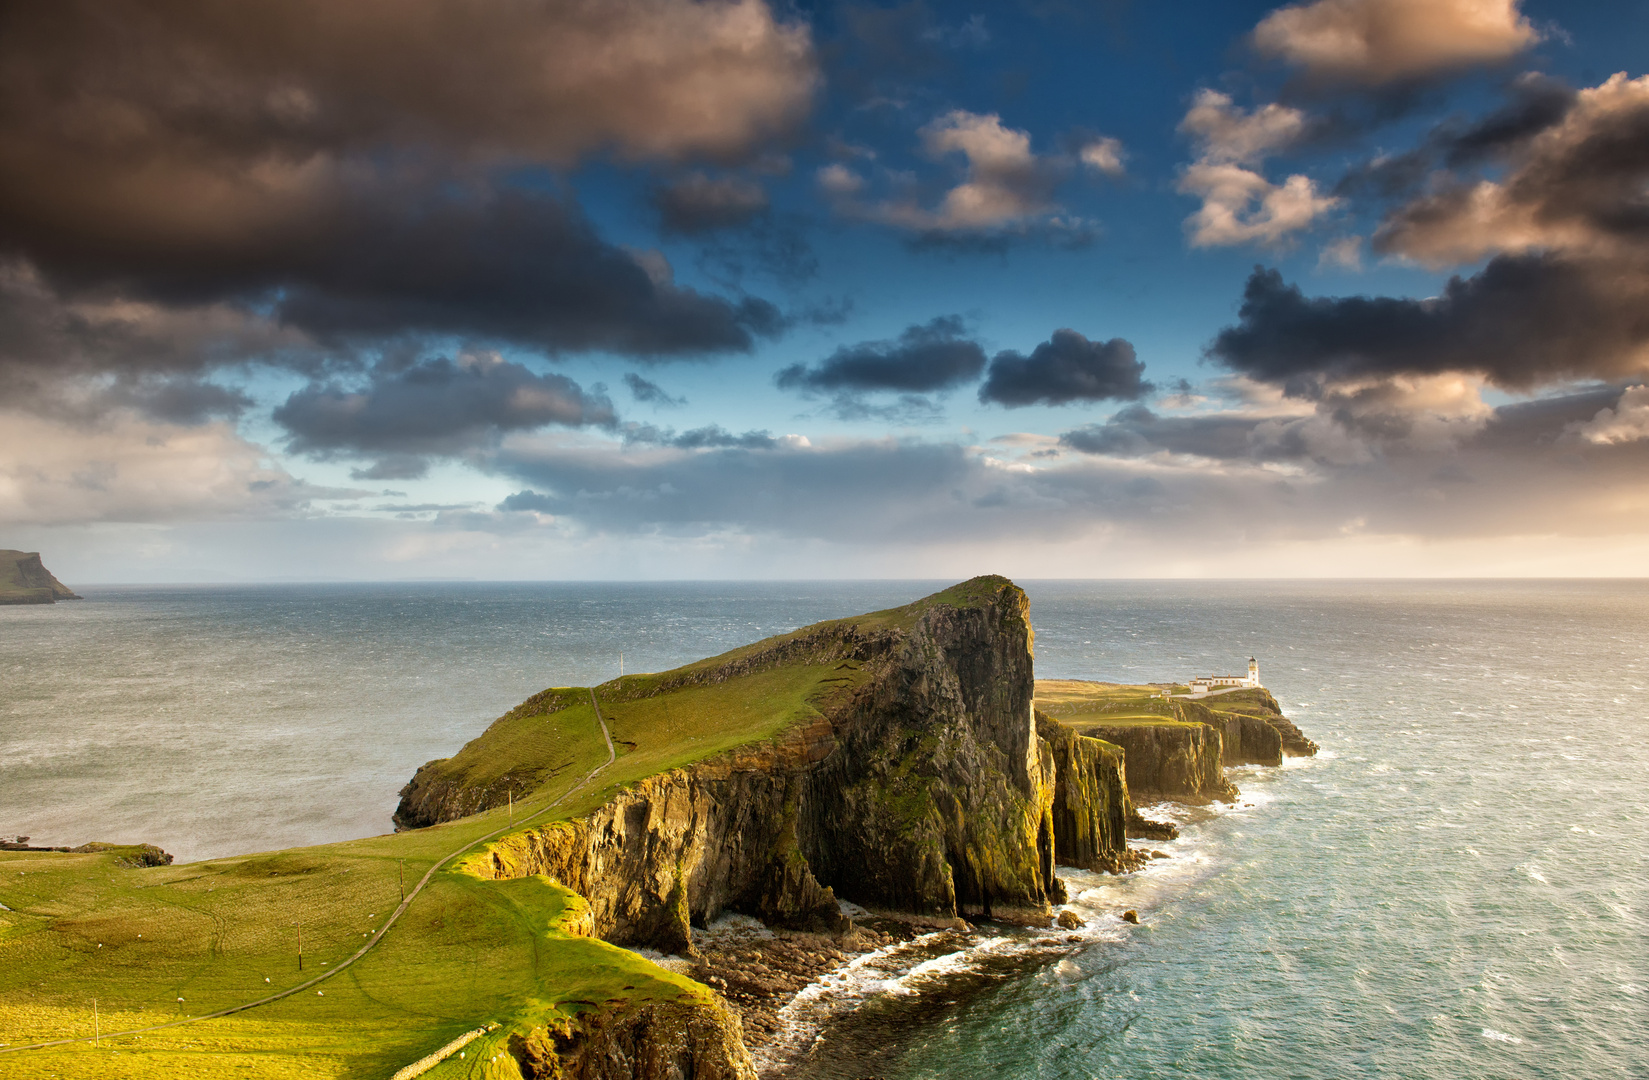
[(672, 288)]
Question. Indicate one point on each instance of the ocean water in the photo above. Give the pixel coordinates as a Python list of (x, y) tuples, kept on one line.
[(1456, 887)]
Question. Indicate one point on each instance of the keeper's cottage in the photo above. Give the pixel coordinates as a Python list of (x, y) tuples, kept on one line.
[(1225, 682)]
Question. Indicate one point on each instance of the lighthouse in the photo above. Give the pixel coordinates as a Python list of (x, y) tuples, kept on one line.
[(1253, 672)]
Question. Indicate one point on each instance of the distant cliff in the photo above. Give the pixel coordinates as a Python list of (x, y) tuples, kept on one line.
[(25, 580)]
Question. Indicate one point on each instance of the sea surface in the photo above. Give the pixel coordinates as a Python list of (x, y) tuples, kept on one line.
[(1457, 886)]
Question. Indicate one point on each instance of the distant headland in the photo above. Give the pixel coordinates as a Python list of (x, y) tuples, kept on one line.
[(25, 580)]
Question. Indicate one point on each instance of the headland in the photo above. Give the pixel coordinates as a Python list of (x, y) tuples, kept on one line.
[(905, 766), (25, 580)]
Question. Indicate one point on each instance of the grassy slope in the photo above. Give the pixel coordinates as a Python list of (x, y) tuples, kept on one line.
[(1077, 702), (467, 952)]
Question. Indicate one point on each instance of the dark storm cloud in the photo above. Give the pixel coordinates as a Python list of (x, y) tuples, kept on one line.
[(697, 203), (1137, 432), (433, 407), (712, 437), (1536, 102), (179, 400), (650, 393), (931, 357), (1522, 322), (1066, 368), (290, 182), (518, 267)]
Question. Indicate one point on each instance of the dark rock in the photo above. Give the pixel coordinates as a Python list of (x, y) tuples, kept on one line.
[(1131, 916)]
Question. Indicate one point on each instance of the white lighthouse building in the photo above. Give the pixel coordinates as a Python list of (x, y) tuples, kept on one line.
[(1227, 682)]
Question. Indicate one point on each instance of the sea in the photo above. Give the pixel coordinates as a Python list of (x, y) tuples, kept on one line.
[(1456, 886)]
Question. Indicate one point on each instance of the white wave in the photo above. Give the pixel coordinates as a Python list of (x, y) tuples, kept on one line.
[(1500, 1036)]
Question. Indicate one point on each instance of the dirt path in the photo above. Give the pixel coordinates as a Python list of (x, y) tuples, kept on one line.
[(375, 939)]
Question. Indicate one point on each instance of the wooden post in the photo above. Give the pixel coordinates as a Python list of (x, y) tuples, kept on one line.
[(403, 865), (512, 804), (300, 945)]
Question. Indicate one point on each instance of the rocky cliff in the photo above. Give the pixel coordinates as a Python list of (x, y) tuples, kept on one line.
[(25, 580), (1091, 807), (1169, 760), (925, 789), (655, 1041)]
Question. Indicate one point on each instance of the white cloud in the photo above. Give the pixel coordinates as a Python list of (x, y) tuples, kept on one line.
[(1627, 422), (1239, 205), (127, 469), (1374, 42), (1104, 155), (1005, 184), (1225, 133)]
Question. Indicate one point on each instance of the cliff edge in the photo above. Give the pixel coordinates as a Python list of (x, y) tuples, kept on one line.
[(25, 580)]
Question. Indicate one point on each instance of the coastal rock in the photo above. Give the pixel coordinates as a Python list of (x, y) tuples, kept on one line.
[(1070, 920), (926, 791), (653, 1041), (1091, 809), (1182, 762)]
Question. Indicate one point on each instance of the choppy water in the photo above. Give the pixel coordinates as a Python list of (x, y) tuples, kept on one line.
[(1456, 887)]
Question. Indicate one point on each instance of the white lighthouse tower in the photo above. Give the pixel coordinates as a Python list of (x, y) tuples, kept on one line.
[(1253, 672)]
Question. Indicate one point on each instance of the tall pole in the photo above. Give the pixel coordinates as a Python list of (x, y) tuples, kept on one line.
[(512, 804), (402, 863), (300, 945)]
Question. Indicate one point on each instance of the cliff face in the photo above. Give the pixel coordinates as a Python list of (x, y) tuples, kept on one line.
[(25, 580), (938, 799), (657, 1041), (1091, 807), (1244, 739), (1176, 761), (1256, 731), (925, 790)]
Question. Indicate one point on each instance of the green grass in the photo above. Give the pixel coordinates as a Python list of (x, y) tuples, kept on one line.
[(467, 952), (1077, 701)]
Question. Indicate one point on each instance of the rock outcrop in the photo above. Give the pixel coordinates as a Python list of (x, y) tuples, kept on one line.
[(925, 790), (1181, 762), (1091, 809), (653, 1041), (1245, 738), (25, 580)]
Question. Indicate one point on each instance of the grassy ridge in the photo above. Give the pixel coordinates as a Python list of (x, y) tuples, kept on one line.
[(1078, 701)]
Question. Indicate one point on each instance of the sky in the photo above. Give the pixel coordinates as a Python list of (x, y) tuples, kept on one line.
[(644, 289)]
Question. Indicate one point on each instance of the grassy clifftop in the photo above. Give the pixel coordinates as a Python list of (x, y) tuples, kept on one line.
[(25, 580), (665, 720)]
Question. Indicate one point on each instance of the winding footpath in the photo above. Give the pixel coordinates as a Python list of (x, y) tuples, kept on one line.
[(376, 938)]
